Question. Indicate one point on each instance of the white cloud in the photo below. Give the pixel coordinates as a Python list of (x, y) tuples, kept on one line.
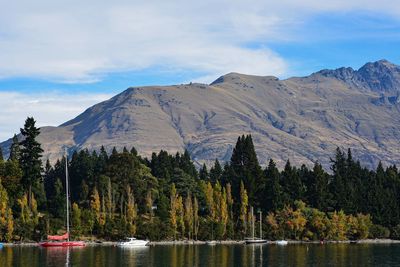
[(78, 40), (51, 108)]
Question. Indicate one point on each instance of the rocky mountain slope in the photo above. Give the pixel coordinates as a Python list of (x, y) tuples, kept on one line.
[(302, 118)]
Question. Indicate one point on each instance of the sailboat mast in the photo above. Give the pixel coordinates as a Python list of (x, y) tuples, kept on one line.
[(252, 220), (67, 190), (260, 224)]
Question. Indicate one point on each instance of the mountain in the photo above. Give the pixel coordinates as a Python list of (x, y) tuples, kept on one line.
[(302, 119)]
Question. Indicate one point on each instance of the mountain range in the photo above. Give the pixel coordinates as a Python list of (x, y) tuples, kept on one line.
[(303, 119)]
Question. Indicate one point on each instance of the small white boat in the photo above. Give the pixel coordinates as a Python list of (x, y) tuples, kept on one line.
[(133, 242), (211, 242), (255, 241), (281, 242)]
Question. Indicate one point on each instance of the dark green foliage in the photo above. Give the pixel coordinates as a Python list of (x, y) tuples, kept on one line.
[(203, 173), (216, 172), (31, 163), (15, 150), (123, 179), (318, 188)]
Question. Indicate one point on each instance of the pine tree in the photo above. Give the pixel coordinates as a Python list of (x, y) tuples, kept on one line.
[(246, 167), (318, 189), (1, 155), (203, 174), (31, 164), (15, 150), (272, 192), (215, 172)]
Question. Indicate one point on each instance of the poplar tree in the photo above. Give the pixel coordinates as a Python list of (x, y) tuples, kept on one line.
[(189, 215), (95, 204), (244, 202), (131, 212), (6, 216), (173, 210), (196, 222)]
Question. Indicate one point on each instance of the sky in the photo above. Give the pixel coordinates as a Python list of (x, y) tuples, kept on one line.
[(57, 58)]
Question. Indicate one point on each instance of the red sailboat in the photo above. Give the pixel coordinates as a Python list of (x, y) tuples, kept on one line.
[(63, 240)]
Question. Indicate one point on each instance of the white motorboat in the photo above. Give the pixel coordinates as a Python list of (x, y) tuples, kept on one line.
[(133, 242), (211, 242), (281, 242)]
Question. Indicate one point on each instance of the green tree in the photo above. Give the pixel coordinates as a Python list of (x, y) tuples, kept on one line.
[(15, 149), (31, 164)]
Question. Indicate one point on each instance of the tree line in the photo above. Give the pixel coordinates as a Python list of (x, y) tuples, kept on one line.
[(165, 197)]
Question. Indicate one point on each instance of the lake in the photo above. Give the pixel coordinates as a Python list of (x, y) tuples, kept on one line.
[(205, 255)]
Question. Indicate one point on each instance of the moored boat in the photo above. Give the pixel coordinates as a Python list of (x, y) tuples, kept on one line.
[(133, 242), (62, 244), (253, 239), (281, 242), (63, 240)]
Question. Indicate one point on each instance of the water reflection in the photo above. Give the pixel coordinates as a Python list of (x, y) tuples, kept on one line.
[(204, 255)]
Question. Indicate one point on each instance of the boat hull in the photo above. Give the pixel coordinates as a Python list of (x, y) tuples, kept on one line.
[(256, 241), (133, 244), (63, 244)]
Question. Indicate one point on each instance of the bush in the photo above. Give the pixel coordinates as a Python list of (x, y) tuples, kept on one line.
[(379, 231)]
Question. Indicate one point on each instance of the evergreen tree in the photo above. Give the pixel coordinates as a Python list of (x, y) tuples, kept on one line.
[(292, 185), (203, 174), (215, 172), (15, 150), (318, 188), (246, 167), (273, 198), (31, 163)]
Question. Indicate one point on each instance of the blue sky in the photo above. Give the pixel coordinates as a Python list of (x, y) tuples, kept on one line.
[(58, 58)]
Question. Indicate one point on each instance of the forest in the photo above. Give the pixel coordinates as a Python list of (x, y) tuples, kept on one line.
[(165, 197)]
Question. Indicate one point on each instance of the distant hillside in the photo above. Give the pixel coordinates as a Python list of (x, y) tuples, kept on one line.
[(303, 118)]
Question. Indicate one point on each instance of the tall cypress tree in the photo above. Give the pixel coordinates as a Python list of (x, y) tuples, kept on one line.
[(245, 165), (31, 164)]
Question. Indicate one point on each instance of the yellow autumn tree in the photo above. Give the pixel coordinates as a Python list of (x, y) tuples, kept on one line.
[(149, 205), (6, 217), (243, 208), (180, 215), (131, 212), (196, 222), (209, 195), (95, 204), (173, 210), (189, 216), (76, 218)]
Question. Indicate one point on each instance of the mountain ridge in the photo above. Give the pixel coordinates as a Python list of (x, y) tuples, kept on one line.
[(300, 118)]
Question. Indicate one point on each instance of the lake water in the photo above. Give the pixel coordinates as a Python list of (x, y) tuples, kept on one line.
[(204, 255)]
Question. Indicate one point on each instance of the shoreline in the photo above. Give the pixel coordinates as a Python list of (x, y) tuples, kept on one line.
[(223, 242)]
